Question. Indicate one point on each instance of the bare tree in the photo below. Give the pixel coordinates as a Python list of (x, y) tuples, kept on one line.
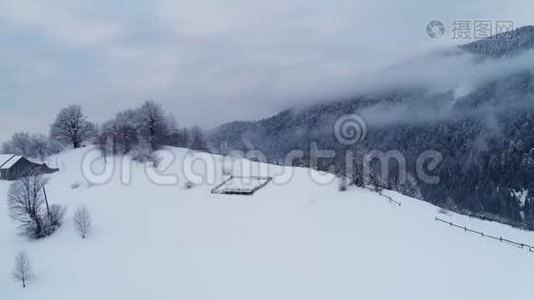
[(71, 127), (82, 221), (25, 204), (23, 268), (26, 201)]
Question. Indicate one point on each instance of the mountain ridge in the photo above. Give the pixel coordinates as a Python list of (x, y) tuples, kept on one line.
[(485, 136)]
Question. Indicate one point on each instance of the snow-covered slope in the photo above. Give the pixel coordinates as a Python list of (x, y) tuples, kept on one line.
[(298, 240)]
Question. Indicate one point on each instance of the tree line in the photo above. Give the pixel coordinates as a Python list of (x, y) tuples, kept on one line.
[(138, 132)]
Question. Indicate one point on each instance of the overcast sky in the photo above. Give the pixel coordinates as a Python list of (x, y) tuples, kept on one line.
[(208, 62)]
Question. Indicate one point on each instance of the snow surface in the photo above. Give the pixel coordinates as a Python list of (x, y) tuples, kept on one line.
[(298, 240)]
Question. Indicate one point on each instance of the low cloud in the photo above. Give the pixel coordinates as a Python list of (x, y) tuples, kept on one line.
[(436, 85)]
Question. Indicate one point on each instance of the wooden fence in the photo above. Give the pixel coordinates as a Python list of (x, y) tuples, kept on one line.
[(482, 234), (385, 196), (530, 248)]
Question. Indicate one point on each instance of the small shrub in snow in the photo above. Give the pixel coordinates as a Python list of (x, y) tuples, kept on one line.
[(143, 152), (443, 211), (75, 185), (55, 217), (23, 268), (188, 185), (342, 185), (82, 221), (378, 188)]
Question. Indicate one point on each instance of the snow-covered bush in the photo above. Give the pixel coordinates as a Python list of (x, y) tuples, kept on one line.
[(188, 185), (143, 153), (55, 217), (443, 211)]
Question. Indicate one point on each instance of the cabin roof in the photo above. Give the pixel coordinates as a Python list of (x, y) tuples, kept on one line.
[(4, 158), (8, 160)]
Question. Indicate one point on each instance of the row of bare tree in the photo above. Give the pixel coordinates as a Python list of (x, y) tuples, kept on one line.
[(145, 129), (23, 271), (28, 205), (137, 131)]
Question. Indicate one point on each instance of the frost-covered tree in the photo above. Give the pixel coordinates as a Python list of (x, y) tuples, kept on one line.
[(71, 127), (20, 144), (151, 124), (197, 139), (119, 135), (174, 133), (34, 146), (139, 132), (183, 138), (23, 268), (82, 221), (40, 147), (102, 142), (125, 132)]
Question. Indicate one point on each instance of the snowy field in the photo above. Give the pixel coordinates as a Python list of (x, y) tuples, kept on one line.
[(298, 240)]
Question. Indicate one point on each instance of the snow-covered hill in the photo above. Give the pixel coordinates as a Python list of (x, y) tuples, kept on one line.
[(298, 240)]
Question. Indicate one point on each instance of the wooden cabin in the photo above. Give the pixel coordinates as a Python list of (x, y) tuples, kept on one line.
[(13, 167)]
